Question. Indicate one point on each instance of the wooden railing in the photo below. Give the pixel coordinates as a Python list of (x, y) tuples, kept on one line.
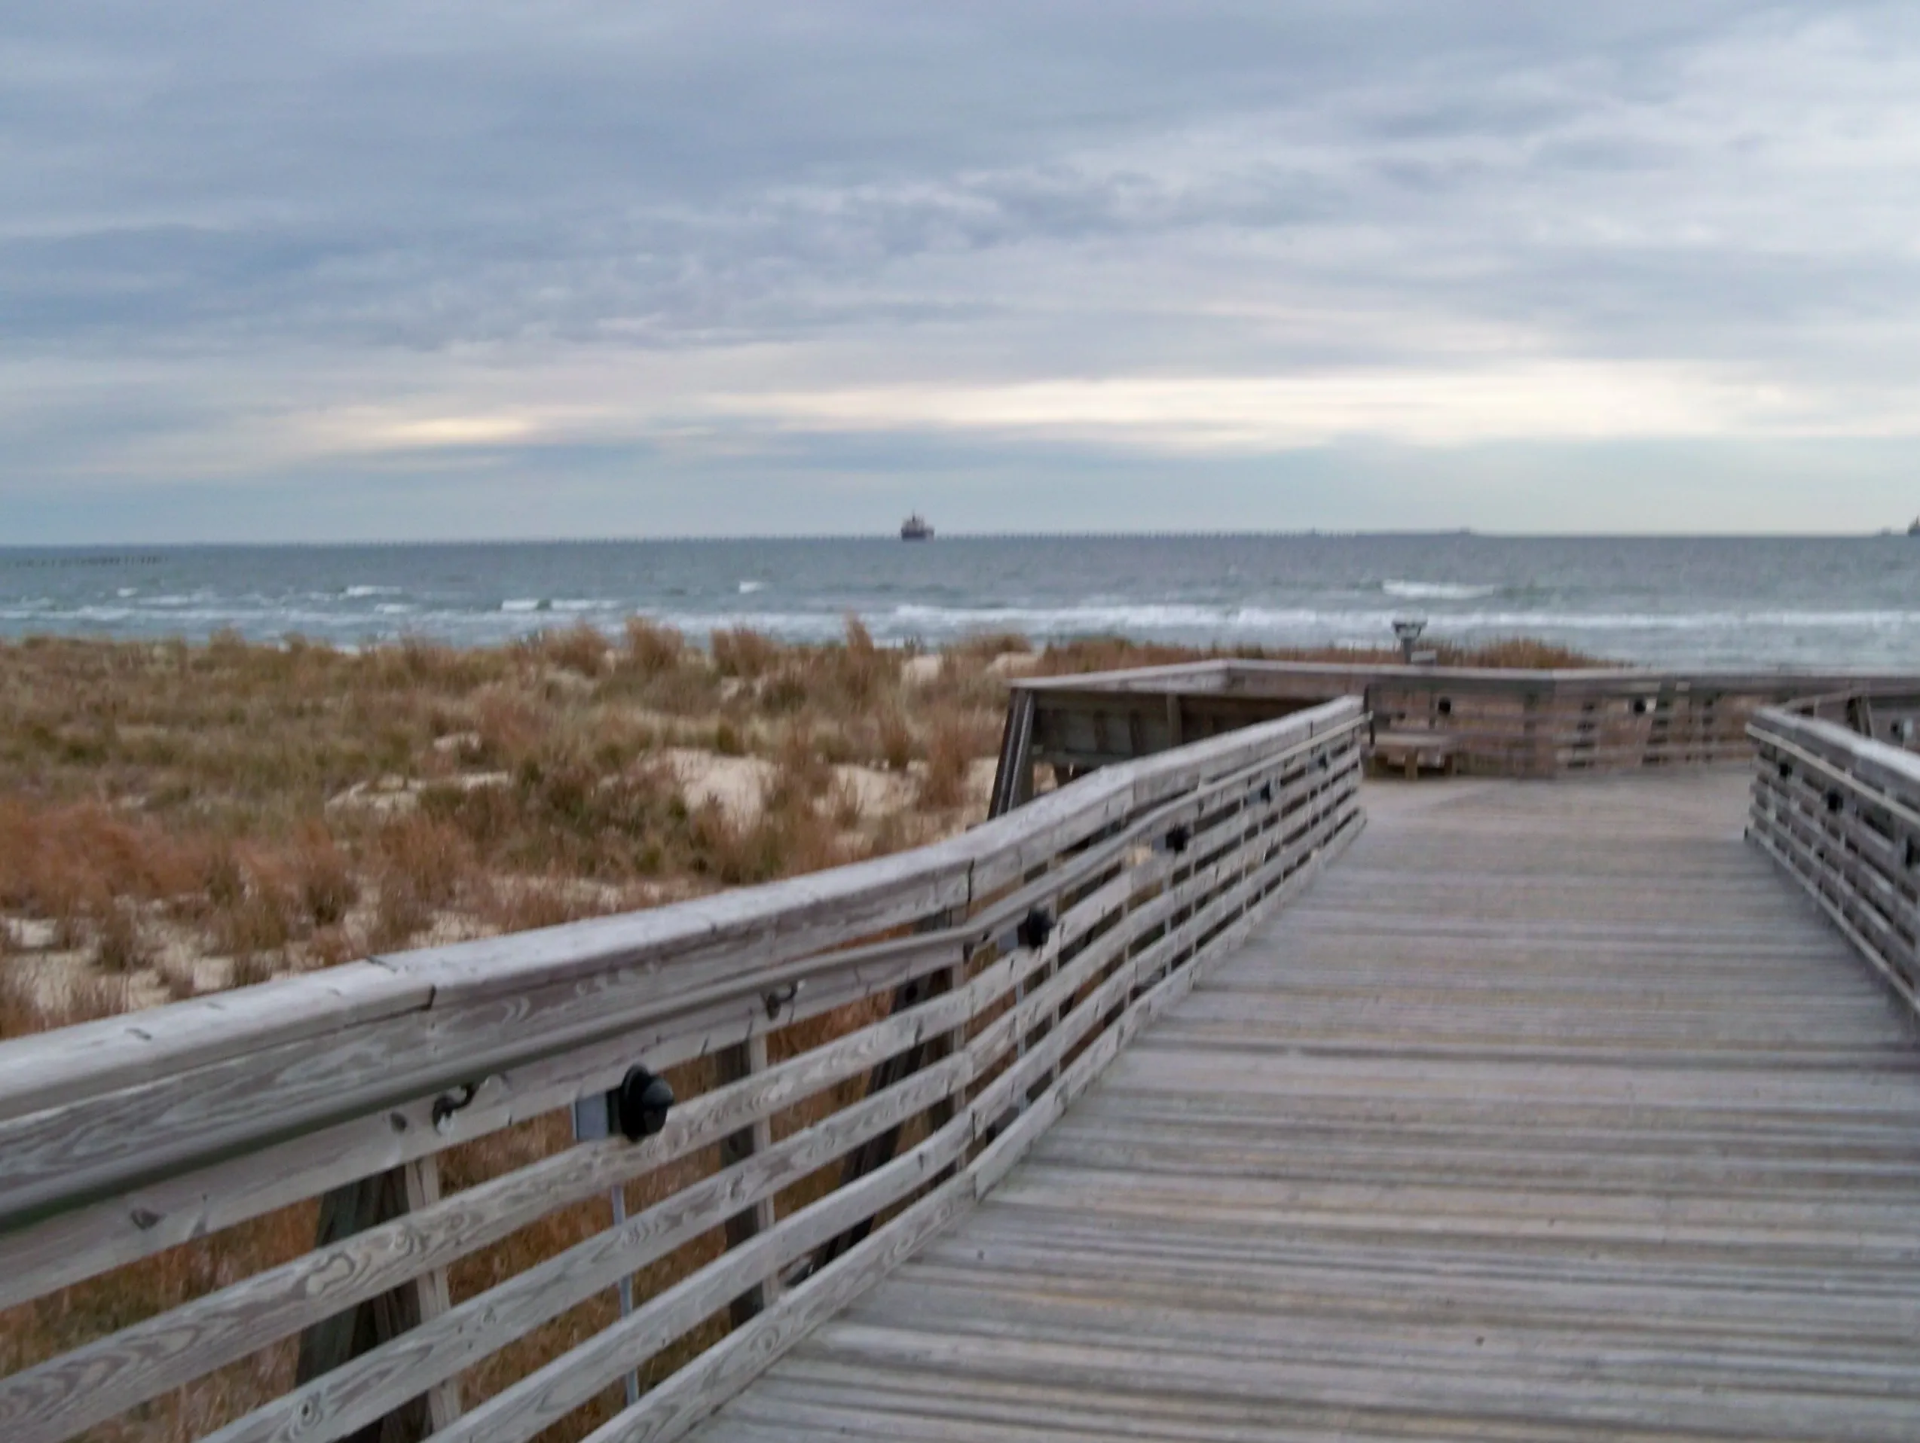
[(860, 1054), (1889, 714), (1487, 722), (1840, 813)]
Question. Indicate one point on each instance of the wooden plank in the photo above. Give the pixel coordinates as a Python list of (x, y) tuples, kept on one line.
[(50, 1069)]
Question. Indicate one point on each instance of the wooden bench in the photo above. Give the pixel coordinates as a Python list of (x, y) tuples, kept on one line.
[(1410, 751)]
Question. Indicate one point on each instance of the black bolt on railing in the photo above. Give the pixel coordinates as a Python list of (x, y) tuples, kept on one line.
[(641, 1103)]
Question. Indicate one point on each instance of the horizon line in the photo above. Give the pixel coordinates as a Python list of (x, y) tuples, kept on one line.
[(698, 538)]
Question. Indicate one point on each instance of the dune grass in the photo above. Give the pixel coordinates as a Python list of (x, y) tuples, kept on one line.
[(175, 818)]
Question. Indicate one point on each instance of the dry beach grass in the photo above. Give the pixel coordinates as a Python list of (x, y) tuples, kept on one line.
[(182, 818)]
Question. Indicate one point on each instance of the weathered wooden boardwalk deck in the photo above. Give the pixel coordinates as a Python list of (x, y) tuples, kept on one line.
[(1549, 1113)]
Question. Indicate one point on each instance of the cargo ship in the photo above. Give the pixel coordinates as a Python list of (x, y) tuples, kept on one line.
[(915, 528)]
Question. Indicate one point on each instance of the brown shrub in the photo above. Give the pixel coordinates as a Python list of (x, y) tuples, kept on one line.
[(69, 860), (118, 947), (774, 843), (986, 645), (785, 691), (800, 773), (896, 740), (524, 903), (510, 726), (864, 669), (1517, 654), (652, 649), (740, 651), (257, 923), (579, 648), (222, 881), (951, 748), (322, 875), (250, 969), (426, 858), (330, 946)]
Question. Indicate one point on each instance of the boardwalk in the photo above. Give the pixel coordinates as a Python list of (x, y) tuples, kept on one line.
[(1549, 1113)]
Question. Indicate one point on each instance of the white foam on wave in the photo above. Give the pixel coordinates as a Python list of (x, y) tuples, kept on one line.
[(394, 608), (526, 603), (747, 588), (1436, 590), (358, 592), (1189, 617)]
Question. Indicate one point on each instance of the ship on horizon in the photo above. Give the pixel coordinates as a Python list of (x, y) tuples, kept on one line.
[(915, 528)]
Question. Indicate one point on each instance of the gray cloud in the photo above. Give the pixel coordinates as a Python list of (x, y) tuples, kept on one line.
[(245, 246)]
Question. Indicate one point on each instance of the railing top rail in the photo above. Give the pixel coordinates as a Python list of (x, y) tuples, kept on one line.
[(1222, 673), (1862, 760), (1139, 678)]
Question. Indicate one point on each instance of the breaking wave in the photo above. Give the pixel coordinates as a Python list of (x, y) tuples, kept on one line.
[(1437, 590)]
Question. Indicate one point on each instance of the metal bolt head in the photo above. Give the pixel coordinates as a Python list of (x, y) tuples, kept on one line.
[(642, 1102)]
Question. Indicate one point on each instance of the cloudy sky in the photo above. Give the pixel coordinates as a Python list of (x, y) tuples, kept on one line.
[(465, 269)]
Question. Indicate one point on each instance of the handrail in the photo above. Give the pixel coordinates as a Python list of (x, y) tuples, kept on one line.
[(1035, 945), (1840, 813), (1493, 721), (671, 960), (1251, 672)]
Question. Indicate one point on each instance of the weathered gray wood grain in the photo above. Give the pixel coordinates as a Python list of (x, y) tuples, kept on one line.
[(555, 1390), (105, 1378)]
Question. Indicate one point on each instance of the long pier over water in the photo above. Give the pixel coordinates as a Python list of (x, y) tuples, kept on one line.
[(1573, 1093)]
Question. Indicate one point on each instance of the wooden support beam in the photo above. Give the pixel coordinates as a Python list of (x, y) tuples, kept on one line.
[(736, 1064), (352, 1209)]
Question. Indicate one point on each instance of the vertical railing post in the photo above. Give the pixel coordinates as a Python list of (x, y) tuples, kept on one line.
[(352, 1209), (1013, 781), (735, 1064), (593, 1119)]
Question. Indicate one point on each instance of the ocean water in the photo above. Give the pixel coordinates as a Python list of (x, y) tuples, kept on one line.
[(1706, 601)]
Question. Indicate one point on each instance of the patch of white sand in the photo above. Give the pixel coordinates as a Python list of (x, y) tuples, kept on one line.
[(734, 783), (922, 670)]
